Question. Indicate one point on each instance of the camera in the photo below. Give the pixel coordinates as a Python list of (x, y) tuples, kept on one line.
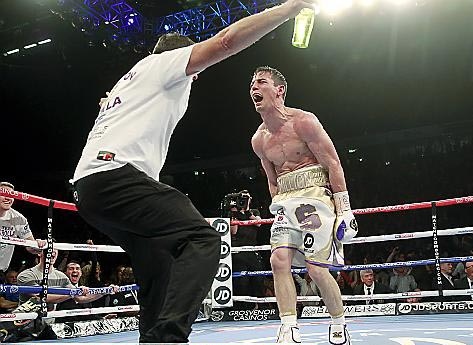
[(240, 200)]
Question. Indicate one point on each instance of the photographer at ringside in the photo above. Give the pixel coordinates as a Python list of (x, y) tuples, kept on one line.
[(236, 206)]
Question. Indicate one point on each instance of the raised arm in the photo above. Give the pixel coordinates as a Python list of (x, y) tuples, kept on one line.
[(241, 35)]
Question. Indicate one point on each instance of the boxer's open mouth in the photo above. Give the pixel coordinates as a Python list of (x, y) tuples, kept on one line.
[(257, 97)]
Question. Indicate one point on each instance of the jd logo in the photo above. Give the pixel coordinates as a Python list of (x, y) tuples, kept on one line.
[(223, 273), (221, 226), (222, 295), (308, 240), (415, 341), (224, 250)]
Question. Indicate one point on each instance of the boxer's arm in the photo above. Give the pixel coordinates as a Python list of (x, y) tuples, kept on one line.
[(241, 35), (311, 131), (271, 175), (268, 166)]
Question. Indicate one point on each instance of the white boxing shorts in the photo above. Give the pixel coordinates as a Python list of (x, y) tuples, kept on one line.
[(304, 218)]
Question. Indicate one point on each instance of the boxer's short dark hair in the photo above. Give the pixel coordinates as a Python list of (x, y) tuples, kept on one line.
[(278, 77)]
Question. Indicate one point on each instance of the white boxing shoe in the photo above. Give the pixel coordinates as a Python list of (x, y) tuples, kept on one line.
[(338, 335), (288, 334)]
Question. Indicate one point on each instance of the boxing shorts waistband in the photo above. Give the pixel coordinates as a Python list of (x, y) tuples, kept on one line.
[(312, 176)]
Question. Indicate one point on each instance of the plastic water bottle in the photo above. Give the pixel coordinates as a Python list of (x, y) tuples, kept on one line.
[(303, 26)]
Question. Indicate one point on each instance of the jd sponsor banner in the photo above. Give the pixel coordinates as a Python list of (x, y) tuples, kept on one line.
[(435, 308), (352, 310), (244, 315), (222, 288)]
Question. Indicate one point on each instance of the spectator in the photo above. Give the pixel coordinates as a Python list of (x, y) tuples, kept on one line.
[(92, 277), (343, 280), (370, 287), (116, 276), (446, 269), (467, 281), (381, 276), (307, 288), (9, 300), (353, 276), (92, 272), (31, 303), (402, 280), (268, 291), (13, 224), (74, 273), (423, 275), (237, 207), (34, 276), (124, 298)]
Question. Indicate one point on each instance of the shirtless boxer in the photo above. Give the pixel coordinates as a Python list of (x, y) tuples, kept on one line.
[(310, 202)]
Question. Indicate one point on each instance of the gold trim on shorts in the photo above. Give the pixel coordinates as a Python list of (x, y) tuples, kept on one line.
[(311, 176)]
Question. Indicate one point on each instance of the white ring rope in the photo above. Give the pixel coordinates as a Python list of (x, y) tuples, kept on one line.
[(70, 312), (18, 316), (377, 238), (64, 246), (404, 295)]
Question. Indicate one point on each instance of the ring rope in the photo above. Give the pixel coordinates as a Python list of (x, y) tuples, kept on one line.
[(412, 206), (70, 312), (360, 267), (370, 239), (37, 199), (382, 209), (403, 295), (93, 311), (63, 246), (377, 238), (387, 296), (4, 288), (18, 316)]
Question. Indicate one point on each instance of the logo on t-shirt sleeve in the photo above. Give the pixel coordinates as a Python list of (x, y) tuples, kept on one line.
[(106, 156)]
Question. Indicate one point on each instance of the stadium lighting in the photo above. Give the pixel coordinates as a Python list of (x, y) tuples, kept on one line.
[(44, 41), (333, 7), (12, 51), (399, 2), (367, 3), (28, 46)]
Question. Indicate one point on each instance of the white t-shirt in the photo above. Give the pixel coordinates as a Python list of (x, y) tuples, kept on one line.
[(34, 276), (136, 122), (12, 224)]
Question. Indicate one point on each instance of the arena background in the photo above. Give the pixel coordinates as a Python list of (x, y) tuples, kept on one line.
[(392, 85)]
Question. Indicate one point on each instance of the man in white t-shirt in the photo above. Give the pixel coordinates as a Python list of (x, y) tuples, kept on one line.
[(13, 224), (116, 181)]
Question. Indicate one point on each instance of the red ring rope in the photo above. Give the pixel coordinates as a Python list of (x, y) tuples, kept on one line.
[(383, 209)]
